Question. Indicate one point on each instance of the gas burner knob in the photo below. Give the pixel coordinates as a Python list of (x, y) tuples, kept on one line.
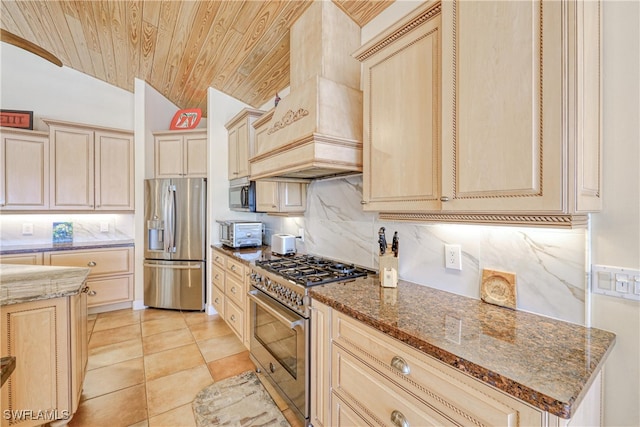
[(299, 301)]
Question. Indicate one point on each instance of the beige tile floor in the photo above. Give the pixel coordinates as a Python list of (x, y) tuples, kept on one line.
[(146, 366)]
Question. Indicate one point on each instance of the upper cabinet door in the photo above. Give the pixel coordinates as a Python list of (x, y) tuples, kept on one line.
[(24, 182), (511, 125), (401, 150), (181, 154), (114, 171), (168, 156), (71, 168), (195, 156)]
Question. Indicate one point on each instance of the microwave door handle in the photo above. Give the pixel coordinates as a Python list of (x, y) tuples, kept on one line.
[(244, 196)]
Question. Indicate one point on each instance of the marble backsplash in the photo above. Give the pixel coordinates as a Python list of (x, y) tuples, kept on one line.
[(549, 264), (86, 227)]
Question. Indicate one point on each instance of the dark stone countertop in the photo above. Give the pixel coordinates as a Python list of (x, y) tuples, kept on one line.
[(542, 361), (49, 247), (247, 255)]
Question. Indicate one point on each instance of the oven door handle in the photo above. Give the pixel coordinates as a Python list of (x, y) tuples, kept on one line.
[(274, 311)]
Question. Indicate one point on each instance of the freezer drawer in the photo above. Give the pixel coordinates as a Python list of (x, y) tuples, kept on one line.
[(174, 284)]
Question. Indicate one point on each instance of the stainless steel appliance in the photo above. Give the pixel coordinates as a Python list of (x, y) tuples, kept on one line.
[(279, 320), (242, 195), (240, 234), (175, 254)]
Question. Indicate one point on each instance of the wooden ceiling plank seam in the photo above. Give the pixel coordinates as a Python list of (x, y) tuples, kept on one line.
[(166, 24), (102, 13), (75, 28), (133, 19), (7, 22), (88, 23), (68, 8), (21, 21), (45, 22), (252, 35), (38, 26), (362, 12), (118, 26), (199, 33), (59, 21), (151, 12), (179, 40), (247, 15), (147, 49), (266, 71), (211, 50)]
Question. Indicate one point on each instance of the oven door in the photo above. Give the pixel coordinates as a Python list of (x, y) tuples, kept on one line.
[(278, 345)]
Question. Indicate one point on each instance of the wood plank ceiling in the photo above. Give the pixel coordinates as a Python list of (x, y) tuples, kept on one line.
[(181, 48)]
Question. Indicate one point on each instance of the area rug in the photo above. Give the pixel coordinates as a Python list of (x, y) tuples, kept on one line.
[(239, 401)]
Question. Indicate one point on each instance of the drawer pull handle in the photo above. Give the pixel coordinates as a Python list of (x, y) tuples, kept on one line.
[(233, 290), (92, 293), (217, 300), (401, 365), (398, 419), (233, 318), (91, 264), (233, 268)]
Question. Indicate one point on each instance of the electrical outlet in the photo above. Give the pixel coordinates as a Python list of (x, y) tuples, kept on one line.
[(452, 257), (104, 227), (27, 229), (301, 234), (620, 282)]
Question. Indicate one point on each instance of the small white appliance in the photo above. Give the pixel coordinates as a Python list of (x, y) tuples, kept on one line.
[(283, 244)]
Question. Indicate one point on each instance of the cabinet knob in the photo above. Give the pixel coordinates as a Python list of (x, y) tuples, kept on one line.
[(398, 419), (233, 290), (217, 300), (273, 206), (233, 317), (91, 264), (444, 199), (92, 293), (363, 202), (400, 365), (233, 268)]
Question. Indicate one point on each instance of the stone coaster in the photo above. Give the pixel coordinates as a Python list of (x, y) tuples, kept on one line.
[(237, 401)]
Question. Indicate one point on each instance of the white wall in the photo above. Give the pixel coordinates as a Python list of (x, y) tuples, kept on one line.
[(28, 82), (616, 230)]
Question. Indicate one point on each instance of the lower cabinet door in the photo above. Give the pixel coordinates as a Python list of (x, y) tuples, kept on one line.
[(235, 318), (110, 291)]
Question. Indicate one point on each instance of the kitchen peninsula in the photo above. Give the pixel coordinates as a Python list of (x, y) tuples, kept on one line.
[(43, 308), (453, 359)]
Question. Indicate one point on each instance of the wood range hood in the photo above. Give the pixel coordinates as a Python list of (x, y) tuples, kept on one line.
[(316, 130)]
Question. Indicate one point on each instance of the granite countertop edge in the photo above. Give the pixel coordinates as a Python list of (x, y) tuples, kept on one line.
[(563, 408), (52, 247)]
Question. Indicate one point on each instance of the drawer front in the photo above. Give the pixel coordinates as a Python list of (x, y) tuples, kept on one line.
[(102, 262), (218, 276), (383, 400), (29, 259), (342, 415), (234, 317), (219, 259), (234, 290), (236, 268), (457, 396), (110, 291), (218, 299)]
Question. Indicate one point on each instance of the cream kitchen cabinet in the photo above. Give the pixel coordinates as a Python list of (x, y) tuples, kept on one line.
[(520, 107), (281, 197), (230, 278), (24, 156), (91, 168), (181, 154), (111, 277), (49, 379), (241, 142), (28, 259), (407, 387)]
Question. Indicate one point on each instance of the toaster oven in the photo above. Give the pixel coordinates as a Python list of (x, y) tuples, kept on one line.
[(240, 234)]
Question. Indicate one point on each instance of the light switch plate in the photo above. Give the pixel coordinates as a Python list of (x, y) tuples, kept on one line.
[(619, 282)]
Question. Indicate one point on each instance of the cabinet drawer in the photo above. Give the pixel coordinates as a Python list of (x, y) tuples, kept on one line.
[(384, 400), (342, 415), (102, 262), (30, 259), (234, 290), (236, 268), (218, 277), (234, 317), (219, 259), (457, 396), (110, 291), (218, 299)]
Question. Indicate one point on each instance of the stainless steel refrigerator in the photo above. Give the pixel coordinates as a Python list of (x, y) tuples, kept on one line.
[(175, 211)]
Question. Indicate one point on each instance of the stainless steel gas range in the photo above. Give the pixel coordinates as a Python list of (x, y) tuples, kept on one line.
[(280, 333)]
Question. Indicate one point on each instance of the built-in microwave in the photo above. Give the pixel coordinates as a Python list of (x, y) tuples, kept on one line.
[(242, 195)]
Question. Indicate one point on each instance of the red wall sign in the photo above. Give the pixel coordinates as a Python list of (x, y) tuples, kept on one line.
[(17, 119), (186, 119)]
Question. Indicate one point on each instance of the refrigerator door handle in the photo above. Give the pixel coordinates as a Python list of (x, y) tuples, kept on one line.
[(174, 267), (171, 219)]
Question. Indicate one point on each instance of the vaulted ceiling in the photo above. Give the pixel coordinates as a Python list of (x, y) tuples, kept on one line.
[(181, 48)]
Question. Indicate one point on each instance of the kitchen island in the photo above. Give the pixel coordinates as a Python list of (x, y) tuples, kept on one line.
[(44, 326), (548, 364)]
